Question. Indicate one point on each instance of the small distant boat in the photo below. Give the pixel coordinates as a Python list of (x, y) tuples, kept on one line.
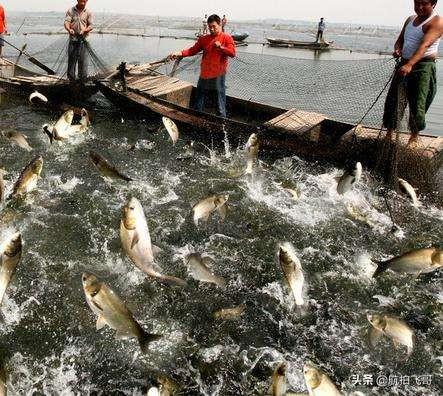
[(239, 36), (312, 45)]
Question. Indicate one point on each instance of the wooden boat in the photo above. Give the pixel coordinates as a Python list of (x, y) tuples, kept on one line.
[(16, 79), (320, 46), (308, 134)]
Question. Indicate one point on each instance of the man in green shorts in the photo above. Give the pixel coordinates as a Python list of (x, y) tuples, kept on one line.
[(417, 46)]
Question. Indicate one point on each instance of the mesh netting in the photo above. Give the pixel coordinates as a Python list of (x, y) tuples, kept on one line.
[(342, 90)]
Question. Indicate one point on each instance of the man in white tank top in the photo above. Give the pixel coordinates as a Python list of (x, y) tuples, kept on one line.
[(417, 46)]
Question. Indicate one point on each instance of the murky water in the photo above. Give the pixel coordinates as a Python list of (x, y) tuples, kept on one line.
[(48, 339), (70, 225)]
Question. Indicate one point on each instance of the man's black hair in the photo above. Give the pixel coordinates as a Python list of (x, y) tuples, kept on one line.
[(214, 18)]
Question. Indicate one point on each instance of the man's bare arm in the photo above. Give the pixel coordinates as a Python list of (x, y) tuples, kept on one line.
[(68, 28)]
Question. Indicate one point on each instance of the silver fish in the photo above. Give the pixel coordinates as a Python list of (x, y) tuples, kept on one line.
[(37, 96), (409, 190), (358, 213), (111, 311), (204, 208), (105, 168), (252, 148), (414, 262), (10, 255), (349, 178), (392, 327), (19, 139), (279, 380), (292, 270), (198, 267), (28, 178), (136, 241), (318, 383), (61, 130), (172, 129)]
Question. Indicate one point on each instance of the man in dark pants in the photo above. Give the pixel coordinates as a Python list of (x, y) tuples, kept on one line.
[(78, 23), (417, 46), (217, 47), (320, 30)]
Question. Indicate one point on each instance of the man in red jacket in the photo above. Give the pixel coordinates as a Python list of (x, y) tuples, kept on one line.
[(217, 47), (3, 29)]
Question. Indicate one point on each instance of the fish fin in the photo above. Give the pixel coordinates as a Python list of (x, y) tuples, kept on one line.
[(135, 240), (101, 322), (120, 335), (98, 306), (337, 178), (223, 211), (374, 336), (171, 280), (146, 338), (156, 250), (382, 266)]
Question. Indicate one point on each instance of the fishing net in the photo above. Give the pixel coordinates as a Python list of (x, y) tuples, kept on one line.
[(342, 90)]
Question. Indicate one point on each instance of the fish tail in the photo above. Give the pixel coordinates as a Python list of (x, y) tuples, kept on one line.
[(49, 134), (126, 178), (382, 266), (146, 338)]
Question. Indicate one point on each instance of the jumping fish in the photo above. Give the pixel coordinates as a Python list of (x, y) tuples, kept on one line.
[(136, 241), (111, 311), (198, 267), (204, 208), (252, 148), (230, 313), (409, 190), (10, 255), (414, 262), (19, 139), (292, 270), (36, 96), (318, 383), (2, 185), (349, 178), (279, 380), (105, 168), (167, 386), (61, 130), (359, 214), (27, 180), (392, 327), (172, 129)]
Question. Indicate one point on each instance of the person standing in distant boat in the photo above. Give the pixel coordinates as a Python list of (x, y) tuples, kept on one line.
[(417, 49), (224, 22), (205, 25), (78, 23), (3, 28), (217, 47), (320, 30)]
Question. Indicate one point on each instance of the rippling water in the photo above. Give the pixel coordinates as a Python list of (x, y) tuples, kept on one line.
[(70, 225)]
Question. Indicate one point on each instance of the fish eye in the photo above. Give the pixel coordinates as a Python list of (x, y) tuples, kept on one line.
[(132, 207)]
